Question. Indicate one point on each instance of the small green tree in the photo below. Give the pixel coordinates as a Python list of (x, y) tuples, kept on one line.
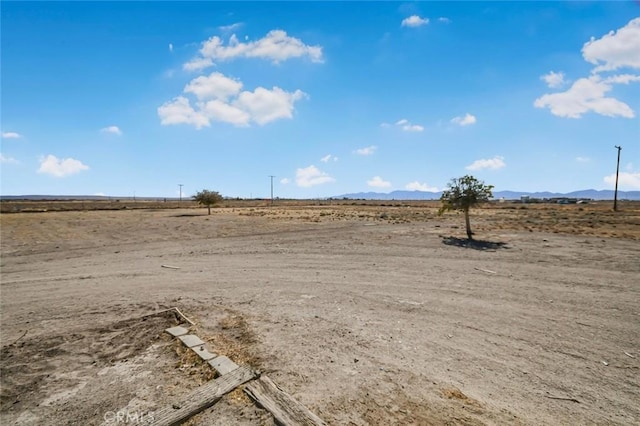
[(462, 194), (207, 198)]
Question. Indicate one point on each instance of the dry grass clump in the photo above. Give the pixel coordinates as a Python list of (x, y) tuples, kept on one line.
[(235, 340)]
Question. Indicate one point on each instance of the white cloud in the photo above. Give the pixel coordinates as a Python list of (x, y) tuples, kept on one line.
[(179, 111), (378, 182), (553, 79), (232, 27), (328, 158), (265, 105), (617, 49), (285, 181), (467, 120), (8, 160), (99, 194), (51, 165), (628, 180), (170, 47), (311, 176), (408, 127), (215, 86), (417, 186), (220, 99), (622, 79), (276, 46), (112, 129), (583, 159), (369, 150), (414, 21), (197, 64), (494, 163), (220, 111), (444, 20), (11, 135), (584, 95)]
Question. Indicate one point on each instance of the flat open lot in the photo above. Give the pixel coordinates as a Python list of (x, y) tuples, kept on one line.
[(367, 314)]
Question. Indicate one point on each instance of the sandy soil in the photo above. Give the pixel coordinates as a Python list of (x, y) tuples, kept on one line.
[(366, 314)]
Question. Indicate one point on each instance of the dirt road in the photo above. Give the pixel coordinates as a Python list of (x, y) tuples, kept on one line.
[(363, 319)]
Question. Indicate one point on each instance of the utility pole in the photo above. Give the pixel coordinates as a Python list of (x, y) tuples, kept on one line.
[(271, 189), (615, 194), (180, 185)]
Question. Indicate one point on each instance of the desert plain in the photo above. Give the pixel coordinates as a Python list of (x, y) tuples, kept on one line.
[(365, 312)]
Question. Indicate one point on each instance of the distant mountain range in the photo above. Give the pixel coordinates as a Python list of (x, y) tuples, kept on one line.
[(591, 194)]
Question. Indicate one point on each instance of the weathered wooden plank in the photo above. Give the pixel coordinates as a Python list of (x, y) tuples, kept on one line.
[(201, 398), (286, 410)]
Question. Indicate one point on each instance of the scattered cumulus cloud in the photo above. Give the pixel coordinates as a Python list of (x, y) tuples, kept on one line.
[(622, 79), (467, 120), (369, 150), (219, 98), (553, 79), (7, 160), (626, 180), (583, 159), (494, 163), (285, 181), (11, 135), (312, 176), (264, 105), (417, 186), (617, 49), (408, 127), (378, 182), (180, 111), (328, 158), (414, 21), (444, 20), (276, 46), (588, 95), (214, 86), (112, 129), (60, 167), (197, 64), (170, 47)]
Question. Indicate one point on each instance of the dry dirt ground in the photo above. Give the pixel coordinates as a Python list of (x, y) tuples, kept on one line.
[(366, 314)]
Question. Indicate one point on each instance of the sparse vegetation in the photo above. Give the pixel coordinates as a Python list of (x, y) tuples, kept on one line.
[(207, 198), (462, 194)]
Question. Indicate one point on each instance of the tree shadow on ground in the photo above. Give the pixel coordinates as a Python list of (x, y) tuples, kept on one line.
[(474, 244)]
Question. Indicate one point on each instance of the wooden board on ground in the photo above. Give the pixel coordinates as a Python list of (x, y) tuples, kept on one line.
[(201, 398), (286, 410)]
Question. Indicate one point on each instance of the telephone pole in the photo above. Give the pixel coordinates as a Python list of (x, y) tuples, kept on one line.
[(615, 194), (180, 185), (271, 189)]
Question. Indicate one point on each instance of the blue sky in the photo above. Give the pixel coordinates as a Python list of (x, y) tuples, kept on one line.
[(123, 98)]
